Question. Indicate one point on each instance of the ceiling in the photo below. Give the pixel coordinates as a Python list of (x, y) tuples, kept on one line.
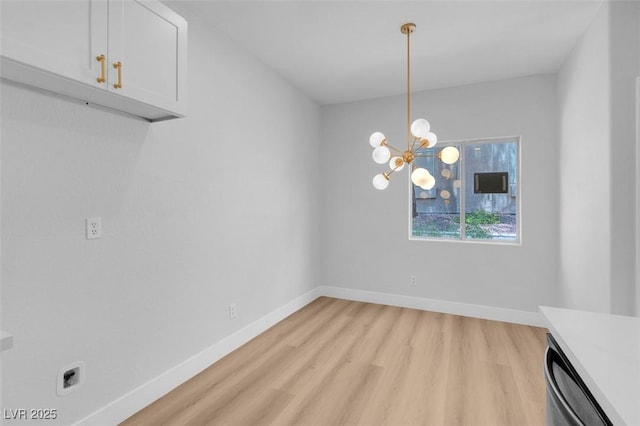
[(342, 51)]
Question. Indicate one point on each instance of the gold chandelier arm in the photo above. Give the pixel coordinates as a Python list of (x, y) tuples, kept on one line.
[(392, 147), (413, 145), (390, 172), (423, 143)]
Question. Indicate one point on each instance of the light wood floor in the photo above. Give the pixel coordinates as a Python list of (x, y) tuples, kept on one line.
[(337, 362)]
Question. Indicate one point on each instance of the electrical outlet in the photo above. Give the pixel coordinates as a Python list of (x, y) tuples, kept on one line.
[(233, 311), (94, 228), (412, 281)]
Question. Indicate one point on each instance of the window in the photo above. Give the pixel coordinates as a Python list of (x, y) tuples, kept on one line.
[(479, 191)]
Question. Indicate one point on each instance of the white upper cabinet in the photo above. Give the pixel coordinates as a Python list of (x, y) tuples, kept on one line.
[(129, 55), (149, 41), (58, 36)]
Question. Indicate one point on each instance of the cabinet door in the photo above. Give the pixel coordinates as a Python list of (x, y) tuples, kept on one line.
[(62, 37), (149, 41)]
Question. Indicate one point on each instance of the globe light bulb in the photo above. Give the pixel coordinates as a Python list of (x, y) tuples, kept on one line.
[(432, 138), (396, 163), (429, 183), (381, 154), (420, 176), (420, 128), (376, 139), (445, 194), (424, 195), (446, 173), (380, 182), (449, 155)]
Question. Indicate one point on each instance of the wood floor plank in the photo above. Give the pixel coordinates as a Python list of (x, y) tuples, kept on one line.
[(339, 362), (526, 360)]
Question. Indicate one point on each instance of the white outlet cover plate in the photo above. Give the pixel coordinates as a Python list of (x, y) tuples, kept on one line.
[(94, 228), (233, 311)]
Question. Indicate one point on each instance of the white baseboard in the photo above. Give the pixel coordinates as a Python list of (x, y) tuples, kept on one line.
[(123, 407), (435, 305)]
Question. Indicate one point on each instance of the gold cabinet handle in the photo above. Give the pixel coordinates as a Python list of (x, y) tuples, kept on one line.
[(118, 66), (102, 60)]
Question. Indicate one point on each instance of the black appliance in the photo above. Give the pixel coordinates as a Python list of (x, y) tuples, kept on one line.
[(569, 401), (491, 183)]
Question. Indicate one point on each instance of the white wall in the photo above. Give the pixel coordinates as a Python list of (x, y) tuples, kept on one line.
[(584, 149), (197, 213), (638, 174), (625, 39), (364, 238), (638, 193), (597, 170)]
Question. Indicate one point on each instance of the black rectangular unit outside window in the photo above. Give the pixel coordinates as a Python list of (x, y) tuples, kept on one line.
[(491, 183)]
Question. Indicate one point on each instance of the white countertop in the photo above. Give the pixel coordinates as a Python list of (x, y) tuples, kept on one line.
[(605, 351)]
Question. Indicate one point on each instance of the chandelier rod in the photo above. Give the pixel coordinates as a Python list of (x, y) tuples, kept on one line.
[(408, 29)]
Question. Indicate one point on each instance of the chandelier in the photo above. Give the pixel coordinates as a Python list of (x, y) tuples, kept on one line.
[(419, 136)]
